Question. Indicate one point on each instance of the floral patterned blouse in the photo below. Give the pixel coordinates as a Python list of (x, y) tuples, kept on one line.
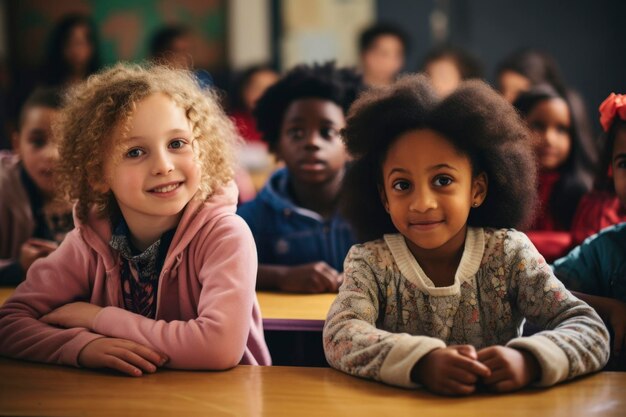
[(389, 314)]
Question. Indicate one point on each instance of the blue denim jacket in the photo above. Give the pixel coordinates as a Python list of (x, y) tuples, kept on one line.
[(598, 265), (287, 234)]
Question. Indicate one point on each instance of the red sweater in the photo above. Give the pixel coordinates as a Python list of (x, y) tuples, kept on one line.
[(596, 210), (549, 239)]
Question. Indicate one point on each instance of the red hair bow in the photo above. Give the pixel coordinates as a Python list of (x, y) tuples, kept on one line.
[(614, 105)]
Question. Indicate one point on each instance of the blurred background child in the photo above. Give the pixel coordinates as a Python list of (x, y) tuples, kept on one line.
[(301, 239), (448, 66), (566, 164), (34, 218), (602, 207), (382, 51), (596, 270)]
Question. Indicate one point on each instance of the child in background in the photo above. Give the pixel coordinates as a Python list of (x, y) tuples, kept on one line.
[(254, 157), (382, 51), (448, 66), (73, 51), (250, 86), (174, 46), (159, 270), (528, 67), (596, 270), (566, 163), (440, 297), (602, 208), (33, 220), (301, 240)]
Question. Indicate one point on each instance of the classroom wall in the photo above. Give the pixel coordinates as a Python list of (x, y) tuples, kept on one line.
[(125, 27)]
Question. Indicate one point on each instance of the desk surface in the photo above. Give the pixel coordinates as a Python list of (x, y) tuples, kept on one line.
[(36, 389), (283, 311), (280, 311)]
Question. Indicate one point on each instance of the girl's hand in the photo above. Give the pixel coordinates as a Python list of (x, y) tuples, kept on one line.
[(33, 249), (315, 277), (122, 355), (78, 314), (616, 315), (453, 370), (511, 369)]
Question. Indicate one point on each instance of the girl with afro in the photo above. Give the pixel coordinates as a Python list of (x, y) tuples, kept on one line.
[(438, 294)]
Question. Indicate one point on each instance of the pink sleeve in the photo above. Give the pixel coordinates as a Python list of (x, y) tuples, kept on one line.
[(216, 339), (60, 278)]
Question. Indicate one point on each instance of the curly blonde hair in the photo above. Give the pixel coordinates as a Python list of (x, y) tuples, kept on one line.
[(94, 109)]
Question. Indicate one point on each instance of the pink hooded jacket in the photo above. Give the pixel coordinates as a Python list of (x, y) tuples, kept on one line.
[(207, 314)]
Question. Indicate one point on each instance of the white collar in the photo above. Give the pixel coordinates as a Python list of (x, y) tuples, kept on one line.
[(410, 268)]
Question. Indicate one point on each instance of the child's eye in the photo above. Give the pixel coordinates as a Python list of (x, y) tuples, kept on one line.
[(563, 129), (134, 153), (401, 185), (177, 144), (329, 133), (295, 133), (38, 142), (621, 164), (442, 181)]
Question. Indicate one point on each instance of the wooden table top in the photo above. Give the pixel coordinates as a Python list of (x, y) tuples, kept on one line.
[(284, 311), (280, 311), (37, 389), (5, 292)]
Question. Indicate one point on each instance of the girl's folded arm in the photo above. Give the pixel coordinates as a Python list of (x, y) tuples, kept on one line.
[(576, 340), (60, 278), (216, 339), (353, 343)]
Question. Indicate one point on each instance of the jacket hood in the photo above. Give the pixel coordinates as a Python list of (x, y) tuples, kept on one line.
[(97, 230)]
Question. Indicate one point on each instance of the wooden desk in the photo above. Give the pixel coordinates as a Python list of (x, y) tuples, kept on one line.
[(5, 292), (36, 389), (297, 312)]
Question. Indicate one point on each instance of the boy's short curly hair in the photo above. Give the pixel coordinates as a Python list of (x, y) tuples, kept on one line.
[(324, 81), (94, 109), (475, 119)]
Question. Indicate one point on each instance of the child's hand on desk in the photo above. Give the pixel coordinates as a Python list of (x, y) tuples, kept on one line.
[(122, 355), (78, 314), (453, 370), (616, 315), (33, 249), (511, 369), (315, 277)]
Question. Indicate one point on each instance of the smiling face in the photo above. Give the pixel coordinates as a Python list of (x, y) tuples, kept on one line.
[(310, 143), (153, 173), (428, 190), (550, 121), (37, 149)]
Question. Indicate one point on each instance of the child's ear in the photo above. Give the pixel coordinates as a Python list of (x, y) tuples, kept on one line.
[(383, 198), (479, 189)]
